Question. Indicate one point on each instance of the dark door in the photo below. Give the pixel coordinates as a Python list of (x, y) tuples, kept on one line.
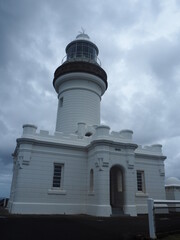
[(116, 187)]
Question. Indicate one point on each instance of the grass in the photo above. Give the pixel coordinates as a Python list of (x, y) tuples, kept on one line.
[(172, 237)]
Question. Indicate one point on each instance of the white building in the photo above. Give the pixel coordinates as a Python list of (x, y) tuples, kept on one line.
[(172, 188), (84, 168)]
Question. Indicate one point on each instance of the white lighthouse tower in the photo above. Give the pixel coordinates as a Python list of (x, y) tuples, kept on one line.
[(80, 82)]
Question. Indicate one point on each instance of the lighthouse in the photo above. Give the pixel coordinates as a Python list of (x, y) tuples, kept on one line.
[(80, 83), (83, 167)]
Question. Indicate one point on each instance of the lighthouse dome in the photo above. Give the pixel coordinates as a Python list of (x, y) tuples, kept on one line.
[(83, 36), (173, 181)]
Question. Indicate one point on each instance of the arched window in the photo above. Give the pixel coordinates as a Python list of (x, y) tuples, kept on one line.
[(91, 182)]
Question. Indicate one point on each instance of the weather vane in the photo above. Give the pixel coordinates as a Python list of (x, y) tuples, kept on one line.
[(82, 31)]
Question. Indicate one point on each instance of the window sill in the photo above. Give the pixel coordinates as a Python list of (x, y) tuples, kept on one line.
[(56, 192), (142, 194), (91, 194)]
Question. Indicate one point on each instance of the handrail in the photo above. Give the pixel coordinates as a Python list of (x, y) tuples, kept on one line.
[(151, 207), (167, 201)]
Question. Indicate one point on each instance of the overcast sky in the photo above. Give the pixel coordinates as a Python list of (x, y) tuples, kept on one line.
[(139, 44)]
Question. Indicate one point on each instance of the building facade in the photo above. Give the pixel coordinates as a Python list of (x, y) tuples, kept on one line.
[(84, 167)]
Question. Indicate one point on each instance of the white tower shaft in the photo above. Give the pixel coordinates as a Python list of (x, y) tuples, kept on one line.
[(79, 97)]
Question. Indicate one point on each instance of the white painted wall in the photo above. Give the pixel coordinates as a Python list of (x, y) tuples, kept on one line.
[(36, 154), (34, 192), (81, 93)]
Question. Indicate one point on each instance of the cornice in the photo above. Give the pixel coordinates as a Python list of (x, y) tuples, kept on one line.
[(150, 156), (112, 143), (48, 143)]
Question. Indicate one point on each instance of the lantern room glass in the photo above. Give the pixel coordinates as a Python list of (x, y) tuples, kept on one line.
[(82, 50)]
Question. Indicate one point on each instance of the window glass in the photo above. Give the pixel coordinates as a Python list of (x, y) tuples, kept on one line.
[(140, 181), (82, 50), (85, 50), (57, 175), (61, 101), (79, 50)]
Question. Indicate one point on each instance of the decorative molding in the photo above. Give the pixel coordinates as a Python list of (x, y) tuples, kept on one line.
[(161, 172), (24, 157), (25, 162), (101, 164), (130, 164), (19, 161)]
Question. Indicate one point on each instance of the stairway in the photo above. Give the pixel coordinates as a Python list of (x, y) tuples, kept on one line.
[(117, 212)]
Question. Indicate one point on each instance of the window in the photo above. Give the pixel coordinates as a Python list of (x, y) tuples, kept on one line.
[(81, 49), (140, 181), (57, 177), (61, 101), (91, 185)]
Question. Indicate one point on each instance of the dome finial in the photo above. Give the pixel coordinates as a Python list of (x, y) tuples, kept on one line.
[(82, 35)]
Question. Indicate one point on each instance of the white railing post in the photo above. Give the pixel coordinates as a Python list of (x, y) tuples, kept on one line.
[(152, 233)]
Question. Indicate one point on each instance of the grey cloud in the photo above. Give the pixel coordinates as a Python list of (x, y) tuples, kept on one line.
[(171, 150), (160, 57), (5, 179), (152, 115)]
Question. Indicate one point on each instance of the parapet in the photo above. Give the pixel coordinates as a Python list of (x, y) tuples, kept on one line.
[(29, 129), (126, 133), (83, 136), (102, 130), (156, 148), (152, 149)]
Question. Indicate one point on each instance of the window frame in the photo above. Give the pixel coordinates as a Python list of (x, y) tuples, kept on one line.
[(61, 177), (140, 180)]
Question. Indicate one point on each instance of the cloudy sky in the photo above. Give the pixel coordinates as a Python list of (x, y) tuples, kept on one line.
[(139, 43)]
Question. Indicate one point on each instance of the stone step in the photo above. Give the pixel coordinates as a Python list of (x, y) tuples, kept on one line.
[(117, 211)]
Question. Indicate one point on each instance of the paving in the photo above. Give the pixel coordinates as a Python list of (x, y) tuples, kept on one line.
[(65, 227)]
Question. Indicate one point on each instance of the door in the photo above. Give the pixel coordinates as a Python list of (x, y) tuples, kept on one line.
[(116, 187)]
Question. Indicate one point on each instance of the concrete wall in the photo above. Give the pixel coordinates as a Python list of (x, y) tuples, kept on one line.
[(81, 93), (154, 181), (33, 188), (98, 201), (36, 154)]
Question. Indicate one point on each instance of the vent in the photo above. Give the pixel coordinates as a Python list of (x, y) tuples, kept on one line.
[(88, 134)]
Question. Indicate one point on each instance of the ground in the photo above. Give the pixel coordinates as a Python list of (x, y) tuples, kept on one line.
[(172, 237), (82, 227)]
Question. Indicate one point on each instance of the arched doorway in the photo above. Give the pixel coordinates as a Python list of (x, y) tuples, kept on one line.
[(116, 188)]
